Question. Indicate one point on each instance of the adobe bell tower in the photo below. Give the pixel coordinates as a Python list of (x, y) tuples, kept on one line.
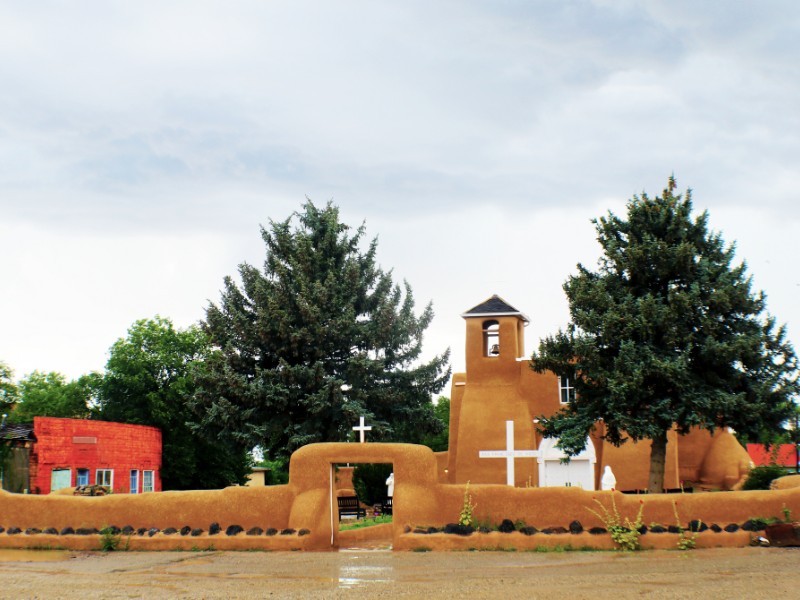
[(488, 395)]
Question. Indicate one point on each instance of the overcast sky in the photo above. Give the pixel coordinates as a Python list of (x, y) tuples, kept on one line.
[(142, 145)]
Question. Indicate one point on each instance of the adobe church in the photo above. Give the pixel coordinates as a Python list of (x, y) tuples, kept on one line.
[(493, 411)]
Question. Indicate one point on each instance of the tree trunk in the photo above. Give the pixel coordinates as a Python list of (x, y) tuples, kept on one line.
[(658, 456)]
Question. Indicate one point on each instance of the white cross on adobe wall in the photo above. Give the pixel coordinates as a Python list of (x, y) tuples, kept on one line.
[(361, 428), (509, 453)]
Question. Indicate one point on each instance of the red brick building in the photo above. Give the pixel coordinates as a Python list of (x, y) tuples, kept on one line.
[(785, 455), (72, 452)]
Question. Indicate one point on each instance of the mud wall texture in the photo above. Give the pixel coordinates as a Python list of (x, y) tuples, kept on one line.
[(306, 504)]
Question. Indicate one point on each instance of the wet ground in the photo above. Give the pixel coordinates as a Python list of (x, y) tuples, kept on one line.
[(708, 574)]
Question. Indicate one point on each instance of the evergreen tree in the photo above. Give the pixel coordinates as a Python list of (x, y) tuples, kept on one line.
[(319, 338), (150, 375), (666, 332)]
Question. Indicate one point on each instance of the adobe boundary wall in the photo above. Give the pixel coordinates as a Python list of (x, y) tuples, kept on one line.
[(419, 501)]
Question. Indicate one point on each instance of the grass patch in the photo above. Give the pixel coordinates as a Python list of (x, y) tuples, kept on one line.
[(368, 522)]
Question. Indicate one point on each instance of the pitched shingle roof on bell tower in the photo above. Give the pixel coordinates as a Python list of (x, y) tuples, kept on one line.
[(495, 307)]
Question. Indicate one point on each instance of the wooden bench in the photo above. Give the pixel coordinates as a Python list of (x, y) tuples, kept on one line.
[(348, 505), (386, 507)]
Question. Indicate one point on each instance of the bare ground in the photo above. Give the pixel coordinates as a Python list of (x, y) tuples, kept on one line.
[(708, 574)]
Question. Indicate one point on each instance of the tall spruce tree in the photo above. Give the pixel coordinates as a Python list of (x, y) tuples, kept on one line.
[(319, 338), (666, 333)]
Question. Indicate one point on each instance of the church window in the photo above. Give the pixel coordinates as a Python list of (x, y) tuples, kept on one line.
[(491, 338), (566, 389)]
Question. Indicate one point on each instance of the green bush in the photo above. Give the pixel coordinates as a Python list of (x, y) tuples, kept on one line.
[(761, 477)]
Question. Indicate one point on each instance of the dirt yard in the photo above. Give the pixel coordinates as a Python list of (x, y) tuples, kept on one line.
[(715, 573)]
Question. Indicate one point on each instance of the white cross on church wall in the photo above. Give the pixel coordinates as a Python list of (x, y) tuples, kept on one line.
[(509, 453), (361, 428)]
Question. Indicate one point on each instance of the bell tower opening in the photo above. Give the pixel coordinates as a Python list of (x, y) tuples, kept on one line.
[(491, 338)]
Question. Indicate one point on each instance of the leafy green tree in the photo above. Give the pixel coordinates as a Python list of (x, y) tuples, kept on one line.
[(319, 338), (149, 376), (666, 332), (9, 393), (438, 442), (51, 395)]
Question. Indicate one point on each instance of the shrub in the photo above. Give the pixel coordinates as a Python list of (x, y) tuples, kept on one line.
[(760, 477), (466, 518), (625, 534)]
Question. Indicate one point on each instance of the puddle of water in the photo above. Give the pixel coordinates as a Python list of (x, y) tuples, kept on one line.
[(351, 576), (16, 555)]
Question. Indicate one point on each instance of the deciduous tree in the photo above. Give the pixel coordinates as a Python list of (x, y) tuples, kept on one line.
[(667, 332), (51, 395), (149, 376)]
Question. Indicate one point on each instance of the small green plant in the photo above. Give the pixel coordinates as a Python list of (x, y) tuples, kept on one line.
[(421, 549), (787, 514), (624, 533), (761, 477), (109, 541), (369, 522), (467, 509), (687, 540)]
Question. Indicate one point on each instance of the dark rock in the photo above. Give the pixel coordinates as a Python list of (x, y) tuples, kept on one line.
[(128, 530), (141, 531), (303, 532), (529, 530), (484, 530), (51, 531), (674, 529), (433, 530), (642, 530), (32, 531), (406, 529), (255, 531), (575, 527), (213, 529), (112, 529), (170, 531), (657, 529), (67, 531), (754, 525), (288, 531), (197, 531), (2, 529), (186, 530), (272, 531), (152, 531), (234, 530), (421, 530), (458, 529), (598, 530), (86, 531), (715, 528), (13, 531), (731, 527), (507, 526), (560, 530), (696, 526)]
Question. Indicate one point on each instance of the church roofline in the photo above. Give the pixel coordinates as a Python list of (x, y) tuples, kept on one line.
[(495, 307)]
